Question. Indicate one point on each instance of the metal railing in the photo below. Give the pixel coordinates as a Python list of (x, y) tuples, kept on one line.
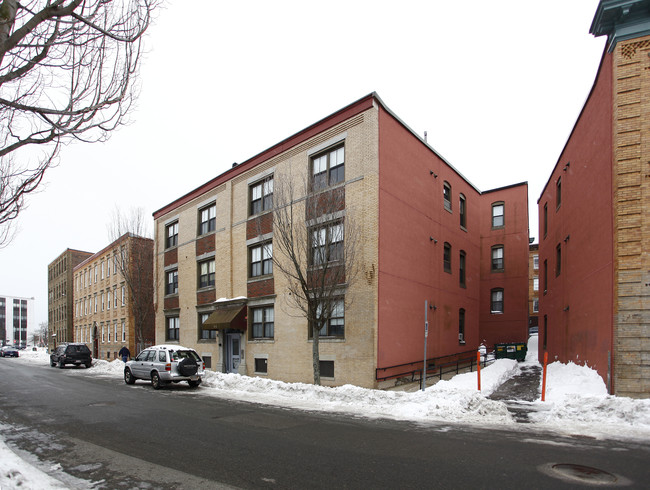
[(436, 367)]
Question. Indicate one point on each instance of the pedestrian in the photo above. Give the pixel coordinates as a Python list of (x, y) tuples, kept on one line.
[(125, 353)]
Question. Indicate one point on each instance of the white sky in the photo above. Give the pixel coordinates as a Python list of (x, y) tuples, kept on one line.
[(576, 404), (497, 85)]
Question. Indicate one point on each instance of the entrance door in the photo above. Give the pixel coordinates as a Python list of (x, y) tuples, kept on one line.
[(233, 352)]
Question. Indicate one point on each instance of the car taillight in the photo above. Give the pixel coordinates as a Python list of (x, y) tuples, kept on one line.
[(203, 366), (168, 367)]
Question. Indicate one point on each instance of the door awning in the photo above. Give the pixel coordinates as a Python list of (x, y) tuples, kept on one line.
[(224, 317)]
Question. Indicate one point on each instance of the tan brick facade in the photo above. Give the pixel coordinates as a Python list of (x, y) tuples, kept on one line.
[(103, 302), (631, 180), (288, 354)]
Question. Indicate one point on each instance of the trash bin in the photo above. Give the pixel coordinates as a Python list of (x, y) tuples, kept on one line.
[(512, 350)]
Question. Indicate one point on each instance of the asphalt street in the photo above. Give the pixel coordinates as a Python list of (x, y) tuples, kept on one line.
[(99, 429)]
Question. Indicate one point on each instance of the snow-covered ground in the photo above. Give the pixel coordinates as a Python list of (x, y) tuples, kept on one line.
[(576, 403)]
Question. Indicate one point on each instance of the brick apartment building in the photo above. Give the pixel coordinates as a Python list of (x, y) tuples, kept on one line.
[(60, 296), (427, 234), (113, 298), (594, 226)]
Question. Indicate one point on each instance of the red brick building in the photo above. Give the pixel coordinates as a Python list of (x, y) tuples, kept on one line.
[(593, 215)]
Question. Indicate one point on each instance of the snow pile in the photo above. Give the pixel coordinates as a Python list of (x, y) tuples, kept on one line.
[(15, 472), (456, 400)]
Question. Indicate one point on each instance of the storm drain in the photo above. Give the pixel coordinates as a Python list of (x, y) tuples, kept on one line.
[(583, 474)]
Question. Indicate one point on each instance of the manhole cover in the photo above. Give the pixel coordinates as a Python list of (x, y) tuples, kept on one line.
[(584, 474)]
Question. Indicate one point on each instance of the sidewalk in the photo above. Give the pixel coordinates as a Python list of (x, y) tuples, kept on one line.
[(519, 391)]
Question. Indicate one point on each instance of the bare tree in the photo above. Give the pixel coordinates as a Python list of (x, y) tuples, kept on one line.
[(135, 263), (67, 72), (39, 338), (315, 248)]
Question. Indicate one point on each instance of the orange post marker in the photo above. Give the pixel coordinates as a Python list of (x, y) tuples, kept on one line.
[(478, 368), (544, 377)]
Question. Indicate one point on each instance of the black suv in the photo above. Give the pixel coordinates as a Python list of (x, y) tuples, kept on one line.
[(76, 354)]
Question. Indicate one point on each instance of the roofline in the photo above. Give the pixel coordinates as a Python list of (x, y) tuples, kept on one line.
[(68, 250), (348, 111), (506, 187), (575, 125), (109, 246), (331, 120)]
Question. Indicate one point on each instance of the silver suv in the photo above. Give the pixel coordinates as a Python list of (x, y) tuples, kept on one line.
[(164, 364)]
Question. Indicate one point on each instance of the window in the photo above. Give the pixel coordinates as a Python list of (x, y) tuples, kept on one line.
[(446, 258), (496, 301), (261, 260), (124, 331), (172, 235), (172, 282), (326, 369), (173, 328), (102, 267), (558, 260), (95, 275), (446, 194), (108, 329), (558, 193), (103, 334), (462, 210), (497, 258), (206, 273), (535, 305), (535, 262), (263, 322), (115, 296), (327, 244), (205, 334), (461, 268), (207, 219), (497, 215), (335, 321), (545, 276), (535, 283), (261, 196), (461, 326), (115, 329), (261, 365), (124, 294), (102, 300), (545, 219), (328, 168), (108, 266)]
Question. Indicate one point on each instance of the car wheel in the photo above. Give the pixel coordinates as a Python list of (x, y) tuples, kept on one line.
[(155, 381), (88, 364), (52, 363), (128, 377), (194, 384), (61, 364)]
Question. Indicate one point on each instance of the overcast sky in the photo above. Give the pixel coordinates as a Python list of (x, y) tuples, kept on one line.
[(497, 86)]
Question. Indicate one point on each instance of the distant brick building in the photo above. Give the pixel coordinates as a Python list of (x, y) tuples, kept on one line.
[(113, 298), (594, 227), (60, 320), (428, 235)]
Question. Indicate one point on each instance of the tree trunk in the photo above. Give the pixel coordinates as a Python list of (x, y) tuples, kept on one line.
[(316, 355)]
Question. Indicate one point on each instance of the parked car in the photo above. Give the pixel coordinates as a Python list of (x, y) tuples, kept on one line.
[(73, 353), (164, 364), (8, 351)]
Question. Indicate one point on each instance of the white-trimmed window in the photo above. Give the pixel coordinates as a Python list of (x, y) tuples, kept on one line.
[(328, 168), (261, 196), (108, 299), (207, 219), (172, 282), (334, 326), (498, 219), (206, 273), (123, 331), (261, 260), (173, 328), (263, 324), (171, 235), (123, 295), (327, 243)]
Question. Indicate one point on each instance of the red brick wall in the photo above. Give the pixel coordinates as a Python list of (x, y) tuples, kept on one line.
[(171, 257), (205, 245), (260, 225), (263, 287)]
